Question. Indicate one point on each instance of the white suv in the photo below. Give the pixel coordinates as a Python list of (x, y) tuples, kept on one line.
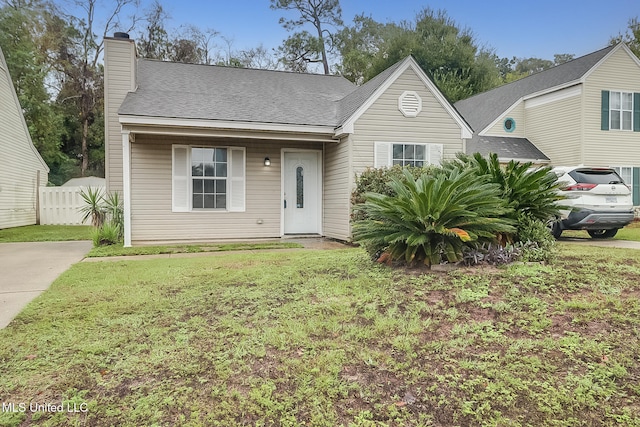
[(598, 200)]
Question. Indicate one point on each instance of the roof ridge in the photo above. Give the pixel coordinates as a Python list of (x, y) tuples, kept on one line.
[(538, 73), (228, 67)]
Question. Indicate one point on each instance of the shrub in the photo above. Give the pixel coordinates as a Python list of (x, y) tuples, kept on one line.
[(376, 180), (93, 208), (528, 190), (107, 215), (107, 234), (492, 254), (429, 219), (539, 245)]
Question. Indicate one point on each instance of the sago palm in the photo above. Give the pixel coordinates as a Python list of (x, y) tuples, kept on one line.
[(431, 218)]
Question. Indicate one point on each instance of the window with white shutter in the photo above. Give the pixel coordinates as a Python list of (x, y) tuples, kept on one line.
[(208, 178), (387, 154)]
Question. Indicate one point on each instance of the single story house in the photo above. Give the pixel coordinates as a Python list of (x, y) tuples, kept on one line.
[(204, 152), (583, 112), (22, 170)]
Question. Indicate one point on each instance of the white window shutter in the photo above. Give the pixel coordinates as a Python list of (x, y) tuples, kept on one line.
[(181, 175), (435, 154), (382, 155), (236, 180)]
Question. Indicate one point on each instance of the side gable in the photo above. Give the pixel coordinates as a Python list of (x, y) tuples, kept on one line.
[(378, 86), (22, 169), (13, 118)]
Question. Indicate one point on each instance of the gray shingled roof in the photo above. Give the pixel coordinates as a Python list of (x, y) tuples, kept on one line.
[(505, 147), (176, 90), (482, 109)]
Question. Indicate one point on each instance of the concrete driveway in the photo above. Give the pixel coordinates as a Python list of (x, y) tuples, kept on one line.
[(28, 269)]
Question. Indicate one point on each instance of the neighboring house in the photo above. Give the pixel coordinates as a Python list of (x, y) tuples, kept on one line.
[(22, 170), (205, 152), (583, 112)]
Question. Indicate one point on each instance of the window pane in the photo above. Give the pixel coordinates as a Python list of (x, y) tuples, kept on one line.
[(397, 151), (197, 154), (221, 169), (198, 201), (409, 151), (197, 169), (626, 120), (299, 187), (615, 119), (208, 169), (208, 186), (221, 202), (221, 154), (419, 164), (197, 186), (207, 154), (397, 162), (221, 186), (420, 152), (627, 101), (208, 201), (615, 100)]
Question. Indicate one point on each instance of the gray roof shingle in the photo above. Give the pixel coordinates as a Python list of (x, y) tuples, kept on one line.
[(482, 109), (505, 148), (189, 91)]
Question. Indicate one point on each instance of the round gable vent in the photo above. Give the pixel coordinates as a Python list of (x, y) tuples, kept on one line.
[(410, 104)]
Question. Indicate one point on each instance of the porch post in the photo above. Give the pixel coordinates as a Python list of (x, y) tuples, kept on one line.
[(126, 186)]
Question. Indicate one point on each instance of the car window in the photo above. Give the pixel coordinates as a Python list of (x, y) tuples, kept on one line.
[(590, 176)]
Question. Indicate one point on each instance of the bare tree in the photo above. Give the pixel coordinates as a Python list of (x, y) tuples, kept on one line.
[(303, 47)]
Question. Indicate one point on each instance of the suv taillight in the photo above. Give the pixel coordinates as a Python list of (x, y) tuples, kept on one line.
[(580, 187)]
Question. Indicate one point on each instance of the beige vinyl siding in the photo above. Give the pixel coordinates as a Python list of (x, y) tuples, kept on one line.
[(555, 128), (19, 160), (119, 76), (337, 190), (614, 147), (517, 114), (153, 220), (383, 122)]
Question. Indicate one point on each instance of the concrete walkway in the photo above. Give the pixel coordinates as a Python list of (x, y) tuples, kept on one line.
[(27, 269), (605, 243)]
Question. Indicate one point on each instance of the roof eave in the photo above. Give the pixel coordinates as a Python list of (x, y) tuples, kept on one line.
[(173, 122)]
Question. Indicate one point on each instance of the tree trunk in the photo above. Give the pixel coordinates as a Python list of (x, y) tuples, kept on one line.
[(85, 148), (325, 62)]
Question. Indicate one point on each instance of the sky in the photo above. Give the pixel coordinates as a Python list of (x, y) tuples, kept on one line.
[(524, 29)]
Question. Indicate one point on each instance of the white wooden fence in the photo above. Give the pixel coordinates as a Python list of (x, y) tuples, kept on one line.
[(61, 206)]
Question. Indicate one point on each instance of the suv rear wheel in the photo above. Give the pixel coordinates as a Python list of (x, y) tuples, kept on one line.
[(603, 234)]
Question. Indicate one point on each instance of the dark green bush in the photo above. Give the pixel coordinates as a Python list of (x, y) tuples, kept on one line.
[(377, 180), (430, 219)]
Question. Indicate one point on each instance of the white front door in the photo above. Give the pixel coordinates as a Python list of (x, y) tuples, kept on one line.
[(301, 184)]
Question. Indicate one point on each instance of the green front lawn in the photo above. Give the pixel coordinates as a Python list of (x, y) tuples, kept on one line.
[(325, 338), (45, 233)]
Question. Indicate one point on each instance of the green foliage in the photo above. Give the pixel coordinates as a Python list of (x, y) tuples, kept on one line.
[(106, 234), (526, 189), (302, 47), (94, 205), (538, 243), (106, 213), (449, 54), (431, 218), (114, 211), (377, 180)]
